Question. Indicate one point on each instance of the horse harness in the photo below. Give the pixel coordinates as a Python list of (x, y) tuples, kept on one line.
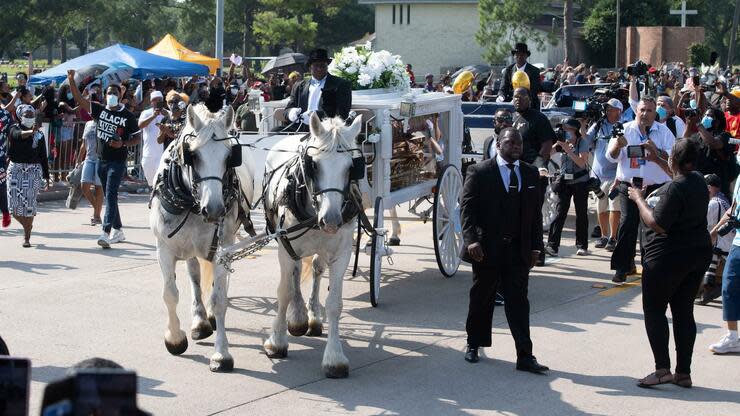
[(176, 197), (300, 198)]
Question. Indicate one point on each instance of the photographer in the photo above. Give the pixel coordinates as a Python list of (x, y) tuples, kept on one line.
[(676, 253), (718, 205), (571, 183), (715, 150), (641, 155), (149, 120), (607, 209)]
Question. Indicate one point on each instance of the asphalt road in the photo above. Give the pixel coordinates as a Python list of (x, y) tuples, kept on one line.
[(65, 299)]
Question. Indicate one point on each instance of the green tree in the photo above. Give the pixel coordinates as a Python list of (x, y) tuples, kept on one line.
[(505, 22), (698, 54)]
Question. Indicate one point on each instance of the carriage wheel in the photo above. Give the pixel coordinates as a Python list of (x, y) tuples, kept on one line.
[(378, 245), (447, 228)]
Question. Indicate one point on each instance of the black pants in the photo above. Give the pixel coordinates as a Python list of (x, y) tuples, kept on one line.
[(512, 280), (673, 280), (623, 257), (4, 197), (580, 198)]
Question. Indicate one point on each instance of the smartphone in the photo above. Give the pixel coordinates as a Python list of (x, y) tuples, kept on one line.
[(637, 182), (92, 392), (15, 379), (635, 151)]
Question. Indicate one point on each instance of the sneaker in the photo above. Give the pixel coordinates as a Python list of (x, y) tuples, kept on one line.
[(6, 219), (725, 345), (103, 240), (603, 241), (116, 236), (582, 252), (596, 233), (551, 251), (611, 245)]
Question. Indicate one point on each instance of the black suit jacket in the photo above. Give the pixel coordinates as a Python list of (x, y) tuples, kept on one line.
[(487, 146), (336, 97), (507, 91), (483, 211)]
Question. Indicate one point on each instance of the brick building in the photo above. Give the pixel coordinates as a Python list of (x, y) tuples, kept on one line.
[(657, 44)]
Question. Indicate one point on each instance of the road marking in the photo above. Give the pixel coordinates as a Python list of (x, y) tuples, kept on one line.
[(624, 287)]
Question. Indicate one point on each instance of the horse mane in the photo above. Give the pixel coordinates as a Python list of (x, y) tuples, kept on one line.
[(334, 138), (211, 121)]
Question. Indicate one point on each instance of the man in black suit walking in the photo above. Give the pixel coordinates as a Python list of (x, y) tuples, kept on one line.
[(323, 93), (520, 54), (502, 230)]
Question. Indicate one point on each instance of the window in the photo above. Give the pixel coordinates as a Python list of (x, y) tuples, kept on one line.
[(400, 7), (394, 14), (408, 14)]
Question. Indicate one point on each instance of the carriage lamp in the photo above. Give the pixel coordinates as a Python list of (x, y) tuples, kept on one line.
[(407, 106), (253, 101)]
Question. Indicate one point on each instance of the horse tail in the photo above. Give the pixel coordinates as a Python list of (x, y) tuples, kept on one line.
[(206, 277), (306, 268)]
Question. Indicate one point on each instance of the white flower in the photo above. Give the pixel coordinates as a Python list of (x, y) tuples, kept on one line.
[(351, 70), (368, 45), (365, 80)]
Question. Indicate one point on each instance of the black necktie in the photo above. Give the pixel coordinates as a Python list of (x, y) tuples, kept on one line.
[(513, 180)]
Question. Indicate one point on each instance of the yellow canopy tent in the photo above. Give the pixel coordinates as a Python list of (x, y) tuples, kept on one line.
[(171, 48)]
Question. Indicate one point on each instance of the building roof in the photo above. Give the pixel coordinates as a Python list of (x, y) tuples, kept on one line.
[(416, 1)]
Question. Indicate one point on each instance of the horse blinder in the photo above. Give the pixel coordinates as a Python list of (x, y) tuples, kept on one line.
[(186, 154), (357, 171), (235, 159)]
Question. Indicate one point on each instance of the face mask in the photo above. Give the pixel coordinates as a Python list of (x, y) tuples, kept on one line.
[(69, 96), (692, 104), (707, 122), (234, 91), (181, 105), (28, 121), (112, 100), (662, 113)]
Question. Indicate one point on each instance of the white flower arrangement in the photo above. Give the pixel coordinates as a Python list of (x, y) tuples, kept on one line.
[(366, 69)]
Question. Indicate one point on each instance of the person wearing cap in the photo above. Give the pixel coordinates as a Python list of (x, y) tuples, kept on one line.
[(607, 209), (572, 184), (718, 204), (151, 151), (429, 83), (520, 54), (322, 93)]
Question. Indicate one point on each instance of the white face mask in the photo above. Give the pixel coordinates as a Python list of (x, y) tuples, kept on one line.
[(111, 100), (28, 122), (234, 91)]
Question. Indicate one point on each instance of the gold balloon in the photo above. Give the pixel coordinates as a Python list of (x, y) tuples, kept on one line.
[(520, 79), (736, 92), (463, 82)]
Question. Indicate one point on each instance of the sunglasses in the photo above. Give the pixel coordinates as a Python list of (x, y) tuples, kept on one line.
[(505, 119)]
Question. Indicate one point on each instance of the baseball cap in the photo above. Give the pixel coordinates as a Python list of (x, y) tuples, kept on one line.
[(615, 104), (155, 94)]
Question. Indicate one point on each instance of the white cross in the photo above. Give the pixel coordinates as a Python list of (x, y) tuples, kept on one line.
[(683, 12)]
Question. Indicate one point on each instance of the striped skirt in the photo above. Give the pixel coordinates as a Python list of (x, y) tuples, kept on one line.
[(24, 183)]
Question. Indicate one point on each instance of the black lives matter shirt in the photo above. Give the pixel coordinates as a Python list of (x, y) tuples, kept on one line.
[(118, 124), (680, 208)]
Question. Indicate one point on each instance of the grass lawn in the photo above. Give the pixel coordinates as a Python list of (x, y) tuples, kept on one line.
[(22, 65)]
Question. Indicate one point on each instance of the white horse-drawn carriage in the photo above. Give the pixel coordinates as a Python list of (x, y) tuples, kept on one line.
[(311, 187)]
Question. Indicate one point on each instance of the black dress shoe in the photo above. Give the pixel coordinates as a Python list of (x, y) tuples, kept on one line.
[(471, 355), (596, 233), (619, 277), (531, 365), (541, 260)]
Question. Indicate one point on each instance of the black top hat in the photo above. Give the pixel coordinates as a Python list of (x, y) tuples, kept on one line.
[(521, 47), (318, 55)]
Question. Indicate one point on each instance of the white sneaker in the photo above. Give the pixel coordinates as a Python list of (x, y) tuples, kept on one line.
[(116, 236), (582, 252), (103, 240), (725, 345)]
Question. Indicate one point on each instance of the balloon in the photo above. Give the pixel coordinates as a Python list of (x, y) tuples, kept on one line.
[(520, 79), (463, 82), (736, 92)]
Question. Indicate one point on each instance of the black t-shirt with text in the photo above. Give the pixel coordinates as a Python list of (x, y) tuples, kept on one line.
[(119, 124), (535, 129), (680, 208)]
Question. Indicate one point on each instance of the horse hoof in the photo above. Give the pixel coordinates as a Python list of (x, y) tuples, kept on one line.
[(336, 371), (222, 365), (298, 330), (273, 352), (212, 320), (202, 331), (315, 329), (176, 348)]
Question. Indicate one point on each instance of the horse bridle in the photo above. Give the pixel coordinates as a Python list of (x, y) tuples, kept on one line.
[(187, 160), (308, 171)]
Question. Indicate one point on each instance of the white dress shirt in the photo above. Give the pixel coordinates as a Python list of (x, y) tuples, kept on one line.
[(506, 172), (650, 172), (314, 93)]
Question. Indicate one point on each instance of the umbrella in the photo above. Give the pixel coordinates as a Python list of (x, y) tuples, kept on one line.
[(286, 61), (475, 69), (116, 74)]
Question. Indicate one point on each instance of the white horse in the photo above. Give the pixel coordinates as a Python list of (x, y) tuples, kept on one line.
[(322, 170), (185, 216)]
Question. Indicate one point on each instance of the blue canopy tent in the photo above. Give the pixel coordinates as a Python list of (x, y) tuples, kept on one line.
[(145, 65)]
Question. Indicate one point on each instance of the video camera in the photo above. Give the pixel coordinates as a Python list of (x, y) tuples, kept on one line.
[(92, 392), (594, 106), (637, 69), (732, 224)]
